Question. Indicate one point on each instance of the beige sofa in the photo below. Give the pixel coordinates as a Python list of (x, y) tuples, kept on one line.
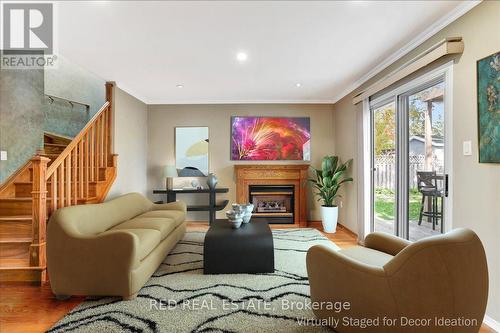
[(443, 277), (112, 248)]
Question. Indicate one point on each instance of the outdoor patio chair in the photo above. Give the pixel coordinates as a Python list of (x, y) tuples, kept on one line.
[(428, 187)]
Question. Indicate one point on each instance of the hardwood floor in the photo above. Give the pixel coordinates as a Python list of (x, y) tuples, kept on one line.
[(31, 308), (26, 308)]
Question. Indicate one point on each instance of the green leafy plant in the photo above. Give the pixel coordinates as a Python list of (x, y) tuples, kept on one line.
[(329, 179)]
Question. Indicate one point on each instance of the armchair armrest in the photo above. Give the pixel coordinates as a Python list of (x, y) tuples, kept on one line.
[(178, 205), (334, 277), (327, 259), (387, 243)]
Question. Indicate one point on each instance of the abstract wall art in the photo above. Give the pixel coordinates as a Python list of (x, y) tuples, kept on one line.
[(270, 138), (488, 104), (191, 151)]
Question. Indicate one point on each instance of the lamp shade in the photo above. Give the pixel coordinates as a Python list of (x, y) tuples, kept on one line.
[(170, 171)]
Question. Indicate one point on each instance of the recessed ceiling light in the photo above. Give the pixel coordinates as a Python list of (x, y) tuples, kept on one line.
[(298, 84), (241, 56), (180, 86)]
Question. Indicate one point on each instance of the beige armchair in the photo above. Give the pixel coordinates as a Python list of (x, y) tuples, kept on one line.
[(432, 280), (112, 248)]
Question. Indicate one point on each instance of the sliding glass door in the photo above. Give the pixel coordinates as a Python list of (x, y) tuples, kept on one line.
[(425, 161), (384, 167), (409, 173)]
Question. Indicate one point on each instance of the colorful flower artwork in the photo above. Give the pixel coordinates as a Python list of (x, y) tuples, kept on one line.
[(270, 138), (488, 98)]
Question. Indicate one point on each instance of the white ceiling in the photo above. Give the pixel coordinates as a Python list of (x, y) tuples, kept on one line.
[(149, 48)]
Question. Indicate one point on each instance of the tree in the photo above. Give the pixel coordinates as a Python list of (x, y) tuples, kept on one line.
[(385, 129), (416, 115), (385, 120)]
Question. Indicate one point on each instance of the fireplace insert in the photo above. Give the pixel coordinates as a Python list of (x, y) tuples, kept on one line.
[(272, 203)]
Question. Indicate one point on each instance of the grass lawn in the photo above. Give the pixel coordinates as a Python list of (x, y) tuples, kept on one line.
[(385, 204)]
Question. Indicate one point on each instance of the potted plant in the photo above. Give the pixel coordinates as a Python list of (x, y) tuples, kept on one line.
[(327, 183)]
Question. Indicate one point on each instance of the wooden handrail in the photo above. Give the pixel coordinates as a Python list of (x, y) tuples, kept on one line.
[(75, 173), (67, 151)]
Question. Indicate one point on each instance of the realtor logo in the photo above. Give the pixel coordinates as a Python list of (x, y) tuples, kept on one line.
[(27, 27)]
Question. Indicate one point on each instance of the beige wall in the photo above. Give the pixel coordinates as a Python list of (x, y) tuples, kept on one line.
[(476, 194), (347, 142), (164, 118), (130, 143)]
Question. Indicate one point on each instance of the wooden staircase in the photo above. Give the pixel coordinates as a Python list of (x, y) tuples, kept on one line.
[(54, 144), (69, 171)]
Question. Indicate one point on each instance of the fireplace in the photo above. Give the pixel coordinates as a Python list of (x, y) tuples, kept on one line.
[(281, 189), (272, 203)]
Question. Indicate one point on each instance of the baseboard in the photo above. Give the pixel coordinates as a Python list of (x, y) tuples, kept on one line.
[(318, 225), (492, 323), (314, 224)]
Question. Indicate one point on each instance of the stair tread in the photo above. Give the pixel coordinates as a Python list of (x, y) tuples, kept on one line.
[(85, 167), (27, 267), (55, 144), (14, 262), (30, 199), (16, 218), (58, 135), (19, 199), (90, 182), (16, 240)]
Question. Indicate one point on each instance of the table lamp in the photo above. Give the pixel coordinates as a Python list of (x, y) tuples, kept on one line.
[(170, 172)]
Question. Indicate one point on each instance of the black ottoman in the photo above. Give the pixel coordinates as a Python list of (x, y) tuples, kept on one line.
[(248, 249)]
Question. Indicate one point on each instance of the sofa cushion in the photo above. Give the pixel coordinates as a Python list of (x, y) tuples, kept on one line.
[(176, 215), (148, 240), (163, 225), (367, 256), (96, 218)]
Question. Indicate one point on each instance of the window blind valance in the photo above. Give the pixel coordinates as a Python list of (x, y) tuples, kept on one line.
[(445, 47)]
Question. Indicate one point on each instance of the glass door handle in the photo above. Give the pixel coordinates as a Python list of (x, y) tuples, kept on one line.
[(446, 185)]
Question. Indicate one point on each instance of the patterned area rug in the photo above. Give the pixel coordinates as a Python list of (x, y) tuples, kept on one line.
[(179, 298)]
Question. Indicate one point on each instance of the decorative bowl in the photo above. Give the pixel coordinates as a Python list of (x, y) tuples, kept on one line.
[(235, 218), (233, 215), (235, 224), (247, 209), (237, 208)]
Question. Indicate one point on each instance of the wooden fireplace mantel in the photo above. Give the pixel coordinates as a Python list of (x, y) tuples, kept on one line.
[(275, 174)]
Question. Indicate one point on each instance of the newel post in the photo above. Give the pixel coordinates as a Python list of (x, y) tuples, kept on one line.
[(39, 211), (109, 98)]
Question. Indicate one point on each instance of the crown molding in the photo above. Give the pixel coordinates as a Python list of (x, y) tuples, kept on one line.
[(460, 10), (285, 101)]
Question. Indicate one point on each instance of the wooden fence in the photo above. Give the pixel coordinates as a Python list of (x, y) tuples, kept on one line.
[(385, 170)]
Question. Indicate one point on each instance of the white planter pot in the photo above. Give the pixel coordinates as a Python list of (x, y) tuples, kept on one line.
[(329, 217)]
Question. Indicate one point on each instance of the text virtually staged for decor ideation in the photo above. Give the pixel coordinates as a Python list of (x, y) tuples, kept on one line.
[(338, 307)]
